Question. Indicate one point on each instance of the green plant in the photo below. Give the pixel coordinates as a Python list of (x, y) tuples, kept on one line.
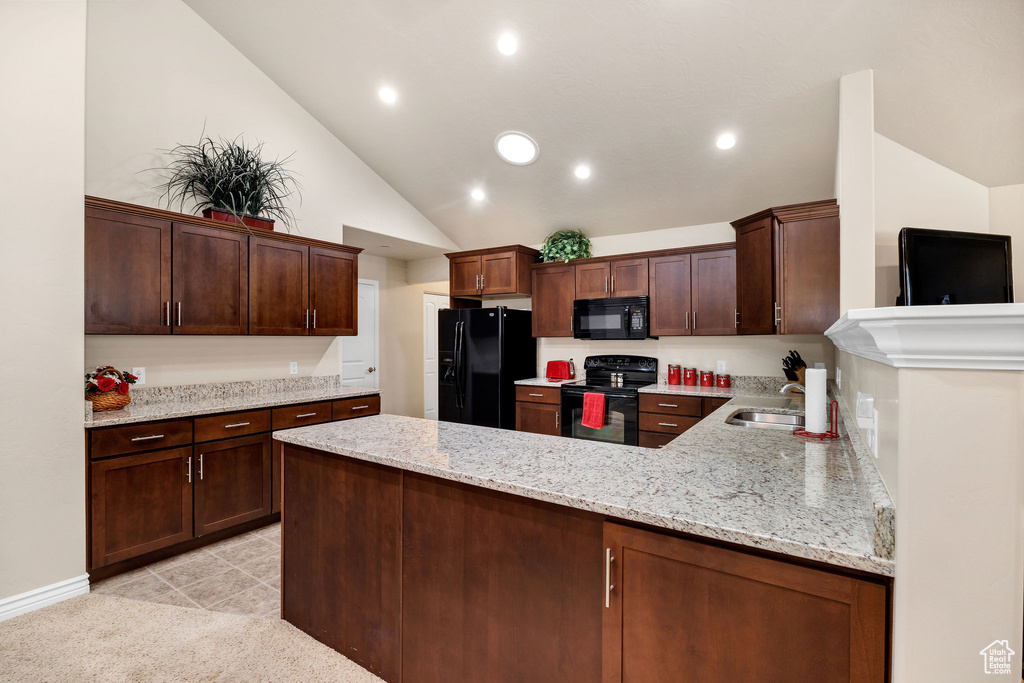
[(230, 176), (565, 245)]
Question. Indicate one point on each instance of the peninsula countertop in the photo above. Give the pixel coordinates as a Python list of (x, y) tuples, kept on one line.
[(753, 487), (165, 403)]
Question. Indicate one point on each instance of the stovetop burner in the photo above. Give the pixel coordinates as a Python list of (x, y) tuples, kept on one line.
[(636, 372)]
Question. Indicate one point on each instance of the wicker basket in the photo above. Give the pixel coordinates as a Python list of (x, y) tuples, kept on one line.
[(108, 400)]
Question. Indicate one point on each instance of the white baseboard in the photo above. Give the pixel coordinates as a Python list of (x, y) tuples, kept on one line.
[(41, 597)]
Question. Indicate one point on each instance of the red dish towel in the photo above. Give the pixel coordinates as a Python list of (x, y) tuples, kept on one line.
[(593, 410)]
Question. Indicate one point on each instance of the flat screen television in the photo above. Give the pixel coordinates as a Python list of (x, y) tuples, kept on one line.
[(945, 267)]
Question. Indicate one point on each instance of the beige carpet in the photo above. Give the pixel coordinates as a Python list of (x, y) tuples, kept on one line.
[(103, 638)]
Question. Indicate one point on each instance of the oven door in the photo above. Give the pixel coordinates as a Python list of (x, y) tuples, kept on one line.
[(621, 416)]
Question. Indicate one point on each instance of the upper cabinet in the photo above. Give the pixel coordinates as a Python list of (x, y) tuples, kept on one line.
[(189, 275), (787, 264), (501, 271), (554, 290), (693, 293), (127, 273), (613, 278)]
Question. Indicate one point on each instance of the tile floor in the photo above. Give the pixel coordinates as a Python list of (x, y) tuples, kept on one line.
[(240, 575)]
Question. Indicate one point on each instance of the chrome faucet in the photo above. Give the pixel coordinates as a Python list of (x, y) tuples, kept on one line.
[(792, 385)]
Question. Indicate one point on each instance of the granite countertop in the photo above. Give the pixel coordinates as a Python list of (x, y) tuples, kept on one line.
[(164, 403), (753, 487), (544, 382)]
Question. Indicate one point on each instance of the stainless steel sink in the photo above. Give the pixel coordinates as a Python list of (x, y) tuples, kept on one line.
[(767, 420)]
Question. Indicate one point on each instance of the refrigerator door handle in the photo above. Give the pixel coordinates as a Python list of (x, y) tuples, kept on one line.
[(459, 398)]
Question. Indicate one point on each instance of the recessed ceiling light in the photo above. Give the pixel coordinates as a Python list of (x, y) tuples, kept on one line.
[(582, 171), (508, 44), (388, 95), (477, 194), (726, 141), (516, 148)]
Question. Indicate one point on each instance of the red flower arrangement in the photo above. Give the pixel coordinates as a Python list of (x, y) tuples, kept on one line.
[(106, 379)]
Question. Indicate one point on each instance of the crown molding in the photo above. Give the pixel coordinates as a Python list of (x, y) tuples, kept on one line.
[(963, 337)]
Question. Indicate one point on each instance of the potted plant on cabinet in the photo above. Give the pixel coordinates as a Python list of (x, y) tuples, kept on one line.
[(231, 182), (565, 245)]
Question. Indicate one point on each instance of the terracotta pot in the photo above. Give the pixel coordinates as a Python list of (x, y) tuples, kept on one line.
[(228, 217)]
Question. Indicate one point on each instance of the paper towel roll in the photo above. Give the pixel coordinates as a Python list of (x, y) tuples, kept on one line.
[(814, 403)]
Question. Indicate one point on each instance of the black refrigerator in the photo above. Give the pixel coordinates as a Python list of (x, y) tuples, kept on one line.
[(481, 353)]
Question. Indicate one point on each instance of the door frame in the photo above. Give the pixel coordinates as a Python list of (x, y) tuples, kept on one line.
[(376, 330), (426, 386)]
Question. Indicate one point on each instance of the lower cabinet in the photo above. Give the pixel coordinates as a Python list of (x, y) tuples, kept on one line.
[(663, 417), (232, 482), (679, 610), (139, 503), (539, 410)]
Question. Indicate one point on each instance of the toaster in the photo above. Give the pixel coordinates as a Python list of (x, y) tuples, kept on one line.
[(561, 369)]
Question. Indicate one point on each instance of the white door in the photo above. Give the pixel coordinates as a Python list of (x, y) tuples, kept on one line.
[(359, 355), (432, 303)]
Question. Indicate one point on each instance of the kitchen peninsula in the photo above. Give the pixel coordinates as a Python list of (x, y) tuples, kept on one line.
[(440, 551)]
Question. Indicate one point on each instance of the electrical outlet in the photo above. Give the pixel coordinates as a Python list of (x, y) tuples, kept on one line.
[(293, 368), (720, 370), (140, 375)]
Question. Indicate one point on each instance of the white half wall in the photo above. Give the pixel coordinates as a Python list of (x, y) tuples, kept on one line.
[(42, 459), (914, 191)]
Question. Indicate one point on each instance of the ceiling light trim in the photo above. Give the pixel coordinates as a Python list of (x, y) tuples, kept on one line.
[(514, 161)]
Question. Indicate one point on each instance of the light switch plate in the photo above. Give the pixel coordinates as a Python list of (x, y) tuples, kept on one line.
[(293, 368), (720, 370), (140, 374)]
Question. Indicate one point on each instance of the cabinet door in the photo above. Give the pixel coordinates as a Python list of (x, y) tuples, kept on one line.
[(211, 281), (592, 280), (497, 588), (464, 275), (554, 289), (670, 295), (278, 287), (499, 273), (342, 556), (678, 610), (714, 292), (629, 277), (127, 274), (333, 292), (538, 418), (809, 275), (139, 503), (233, 479), (755, 279)]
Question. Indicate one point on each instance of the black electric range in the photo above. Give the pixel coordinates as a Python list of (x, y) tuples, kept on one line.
[(622, 397)]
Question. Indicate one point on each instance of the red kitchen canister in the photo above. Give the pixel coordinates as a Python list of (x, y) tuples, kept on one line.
[(689, 377), (723, 381), (673, 374), (707, 378)]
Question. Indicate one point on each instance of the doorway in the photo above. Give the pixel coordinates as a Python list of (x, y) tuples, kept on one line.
[(360, 355), (432, 303)]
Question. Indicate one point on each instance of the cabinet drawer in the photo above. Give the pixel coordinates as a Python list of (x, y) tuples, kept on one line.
[(672, 405), (655, 439), (356, 407), (538, 394), (667, 424), (300, 416), (136, 438), (231, 424)]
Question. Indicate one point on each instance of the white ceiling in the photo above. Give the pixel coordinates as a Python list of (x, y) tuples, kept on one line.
[(639, 89)]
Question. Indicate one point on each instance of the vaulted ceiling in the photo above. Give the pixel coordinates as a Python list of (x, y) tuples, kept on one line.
[(639, 90)]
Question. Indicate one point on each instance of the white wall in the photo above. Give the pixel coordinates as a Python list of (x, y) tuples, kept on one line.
[(914, 191), (156, 73), (42, 463), (1006, 217)]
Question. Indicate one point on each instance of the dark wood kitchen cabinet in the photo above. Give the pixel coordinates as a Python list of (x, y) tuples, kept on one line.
[(680, 610), (787, 265), (539, 410), (499, 271), (278, 287), (554, 290), (333, 292), (127, 273), (139, 503), (210, 281), (694, 293), (232, 482), (592, 280), (612, 278)]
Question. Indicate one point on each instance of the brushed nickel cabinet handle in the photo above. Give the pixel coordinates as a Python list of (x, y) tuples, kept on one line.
[(737, 323), (695, 321), (237, 424), (482, 278), (667, 424), (147, 438), (360, 407), (306, 415), (608, 559), (167, 313), (687, 320), (314, 318), (613, 284), (778, 313), (556, 419), (668, 405), (605, 283), (538, 395), (307, 318), (179, 314), (190, 469), (200, 467)]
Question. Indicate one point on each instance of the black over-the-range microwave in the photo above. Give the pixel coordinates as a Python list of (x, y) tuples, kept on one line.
[(615, 318)]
